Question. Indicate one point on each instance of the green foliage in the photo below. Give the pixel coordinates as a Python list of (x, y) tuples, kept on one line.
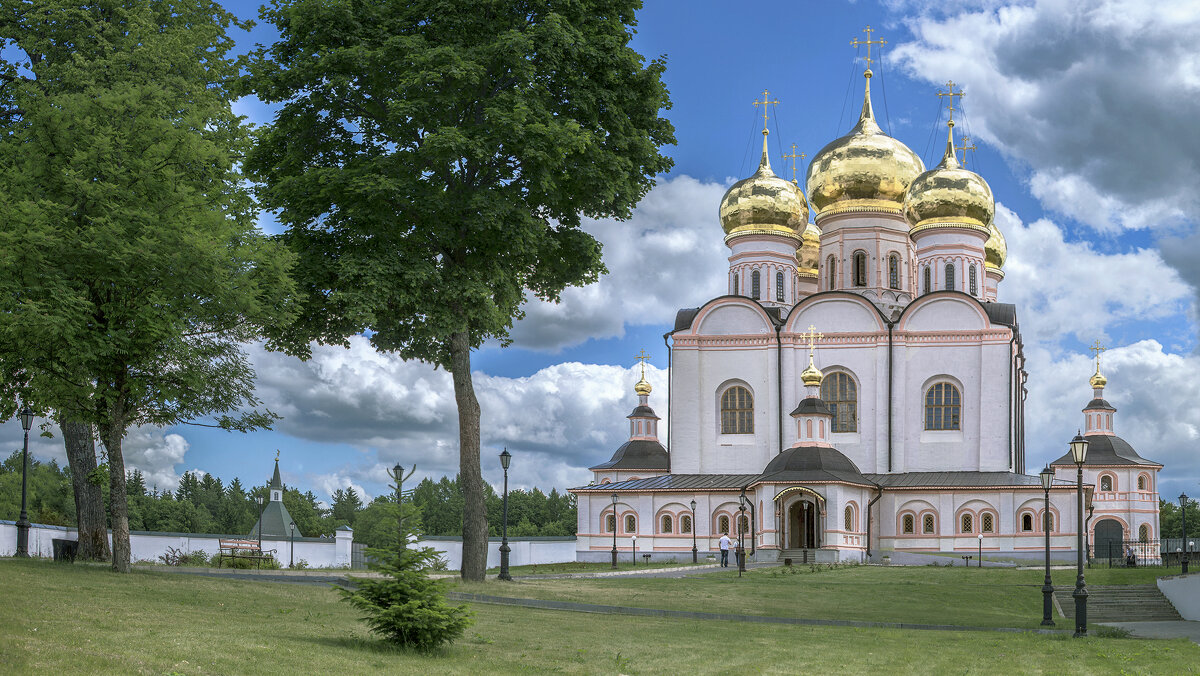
[(50, 499), (1170, 521)]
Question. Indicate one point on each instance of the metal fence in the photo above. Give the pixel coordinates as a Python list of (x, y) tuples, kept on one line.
[(1165, 553), (358, 556)]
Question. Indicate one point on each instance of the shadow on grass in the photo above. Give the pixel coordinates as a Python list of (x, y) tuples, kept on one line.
[(375, 646)]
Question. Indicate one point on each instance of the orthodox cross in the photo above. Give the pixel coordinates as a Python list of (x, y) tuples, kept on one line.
[(793, 157), (1096, 349), (277, 455), (950, 93), (766, 95), (812, 337), (868, 42), (642, 358), (964, 148)]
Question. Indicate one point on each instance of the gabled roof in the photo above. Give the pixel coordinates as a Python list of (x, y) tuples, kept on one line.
[(961, 480)]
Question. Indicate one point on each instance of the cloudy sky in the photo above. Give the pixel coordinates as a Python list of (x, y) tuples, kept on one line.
[(1082, 115)]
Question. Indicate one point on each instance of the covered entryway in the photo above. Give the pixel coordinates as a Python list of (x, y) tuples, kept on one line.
[(1110, 536), (802, 526)]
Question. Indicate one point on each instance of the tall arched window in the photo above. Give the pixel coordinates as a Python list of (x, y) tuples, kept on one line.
[(779, 286), (908, 526), (1106, 483), (860, 268), (968, 523), (685, 523), (630, 524), (1143, 533), (894, 271), (723, 525), (737, 411), (610, 523), (743, 524), (943, 404), (949, 276), (1050, 521), (928, 279), (1027, 522), (755, 284), (1141, 483), (831, 265), (666, 525), (735, 283), (849, 519), (974, 284), (841, 396), (927, 524), (988, 522)]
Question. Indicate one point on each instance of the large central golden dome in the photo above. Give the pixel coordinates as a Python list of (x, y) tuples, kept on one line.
[(764, 204), (949, 195), (866, 170)]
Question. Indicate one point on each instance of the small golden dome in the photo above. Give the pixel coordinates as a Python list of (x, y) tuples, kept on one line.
[(809, 254), (995, 249), (949, 195), (1098, 380), (866, 170), (764, 204), (641, 387), (812, 375)]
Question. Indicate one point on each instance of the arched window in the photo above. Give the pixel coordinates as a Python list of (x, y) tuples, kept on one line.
[(927, 524), (1142, 482), (974, 284), (735, 283), (779, 286), (841, 396), (849, 519), (989, 523), (737, 411), (1027, 522), (942, 407), (949, 276), (831, 264), (1143, 533), (1106, 483), (723, 525), (967, 523), (685, 523), (630, 524), (610, 523), (1050, 521), (755, 284), (908, 525), (666, 523), (894, 271), (860, 268), (743, 524), (928, 279)]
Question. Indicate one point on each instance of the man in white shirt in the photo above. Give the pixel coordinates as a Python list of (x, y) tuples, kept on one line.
[(725, 543)]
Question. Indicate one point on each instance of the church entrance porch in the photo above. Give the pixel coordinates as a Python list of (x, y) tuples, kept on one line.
[(802, 530), (1110, 536)]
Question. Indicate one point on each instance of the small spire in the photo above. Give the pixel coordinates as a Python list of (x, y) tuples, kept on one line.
[(793, 157), (811, 376), (950, 158), (764, 164), (964, 148), (642, 386), (1098, 381)]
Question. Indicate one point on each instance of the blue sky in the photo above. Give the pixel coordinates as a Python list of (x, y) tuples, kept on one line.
[(1080, 114)]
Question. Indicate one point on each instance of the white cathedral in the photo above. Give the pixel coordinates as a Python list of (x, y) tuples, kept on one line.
[(859, 392)]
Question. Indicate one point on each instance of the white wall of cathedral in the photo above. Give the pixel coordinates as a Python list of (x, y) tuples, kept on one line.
[(773, 259), (951, 259), (875, 240), (609, 476)]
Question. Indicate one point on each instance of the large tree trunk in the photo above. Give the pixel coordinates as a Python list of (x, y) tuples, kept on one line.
[(470, 479), (89, 499), (112, 434)]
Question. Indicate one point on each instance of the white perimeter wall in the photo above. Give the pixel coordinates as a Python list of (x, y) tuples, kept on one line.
[(1184, 593)]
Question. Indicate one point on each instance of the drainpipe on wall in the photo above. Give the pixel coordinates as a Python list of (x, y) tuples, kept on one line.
[(779, 383), (667, 342), (869, 505), (891, 326)]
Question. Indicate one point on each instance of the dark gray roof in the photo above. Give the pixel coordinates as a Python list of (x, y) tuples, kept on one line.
[(276, 482), (812, 405), (638, 454), (275, 520), (1105, 449), (808, 464), (1002, 313), (677, 482), (643, 412), (683, 318), (959, 480), (1099, 403)]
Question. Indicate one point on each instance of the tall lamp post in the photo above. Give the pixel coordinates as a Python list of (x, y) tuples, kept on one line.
[(1079, 447), (615, 498), (1047, 477), (980, 556), (694, 559), (26, 417), (505, 461), (741, 548), (1183, 514), (259, 500), (292, 544)]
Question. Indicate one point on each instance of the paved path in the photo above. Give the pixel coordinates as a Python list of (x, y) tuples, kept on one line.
[(1171, 629)]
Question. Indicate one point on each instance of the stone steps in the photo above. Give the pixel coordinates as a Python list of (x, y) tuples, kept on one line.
[(1120, 603)]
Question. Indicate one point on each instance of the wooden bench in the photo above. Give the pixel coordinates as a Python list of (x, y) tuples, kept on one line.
[(242, 549)]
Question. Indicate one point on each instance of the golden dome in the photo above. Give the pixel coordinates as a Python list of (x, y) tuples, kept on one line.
[(811, 376), (764, 204), (809, 254), (949, 195), (1098, 380), (641, 387), (866, 170), (995, 249)]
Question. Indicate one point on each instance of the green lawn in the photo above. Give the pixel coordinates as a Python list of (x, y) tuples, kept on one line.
[(72, 619), (980, 597)]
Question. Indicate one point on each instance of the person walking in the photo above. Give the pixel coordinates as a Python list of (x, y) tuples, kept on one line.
[(725, 544)]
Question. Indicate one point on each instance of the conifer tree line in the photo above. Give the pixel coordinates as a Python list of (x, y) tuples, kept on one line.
[(206, 504)]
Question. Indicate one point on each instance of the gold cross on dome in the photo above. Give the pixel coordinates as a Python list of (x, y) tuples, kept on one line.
[(868, 42), (951, 93), (812, 337), (1096, 349), (642, 358), (793, 158), (964, 148), (766, 95), (277, 455)]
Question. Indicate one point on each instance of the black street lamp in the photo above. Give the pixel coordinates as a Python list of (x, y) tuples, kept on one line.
[(26, 417), (633, 539), (1079, 447), (615, 499), (1047, 476), (980, 557), (741, 548), (259, 500), (292, 544), (1183, 514), (694, 559), (505, 461)]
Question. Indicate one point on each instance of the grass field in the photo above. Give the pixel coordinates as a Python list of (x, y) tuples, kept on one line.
[(72, 619)]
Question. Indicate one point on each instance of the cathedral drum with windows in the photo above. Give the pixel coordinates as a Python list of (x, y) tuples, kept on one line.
[(860, 390)]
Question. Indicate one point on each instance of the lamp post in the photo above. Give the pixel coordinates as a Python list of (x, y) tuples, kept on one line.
[(259, 500), (694, 559), (980, 557), (292, 544), (633, 539), (753, 520), (26, 417), (1047, 477), (1183, 514), (615, 499), (741, 548), (1079, 447), (505, 461)]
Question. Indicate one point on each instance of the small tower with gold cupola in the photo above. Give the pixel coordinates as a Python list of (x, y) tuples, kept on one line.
[(764, 218), (813, 418), (642, 455)]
